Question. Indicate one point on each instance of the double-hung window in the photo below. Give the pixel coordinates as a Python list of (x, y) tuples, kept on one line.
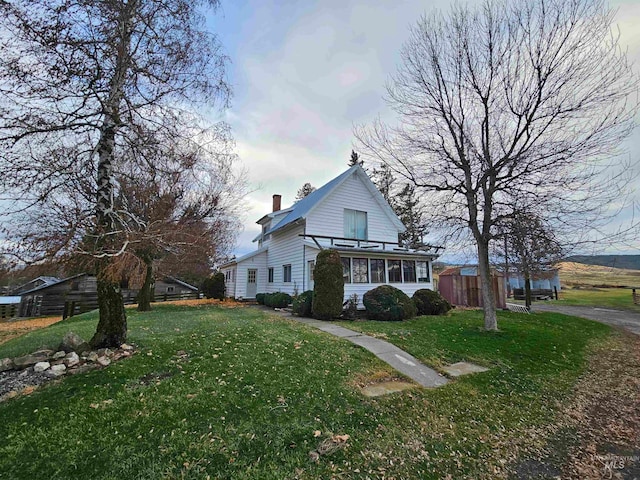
[(270, 275), (346, 269), (360, 270), (423, 271), (355, 224), (395, 273), (286, 273), (409, 271), (377, 271)]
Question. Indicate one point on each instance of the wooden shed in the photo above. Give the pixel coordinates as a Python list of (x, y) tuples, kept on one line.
[(49, 299), (462, 286), (79, 294)]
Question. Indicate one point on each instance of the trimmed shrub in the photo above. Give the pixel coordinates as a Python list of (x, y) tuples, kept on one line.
[(388, 303), (277, 300), (213, 286), (328, 287), (429, 302), (260, 298), (302, 304)]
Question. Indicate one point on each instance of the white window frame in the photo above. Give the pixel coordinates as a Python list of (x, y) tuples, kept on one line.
[(286, 269), (356, 224)]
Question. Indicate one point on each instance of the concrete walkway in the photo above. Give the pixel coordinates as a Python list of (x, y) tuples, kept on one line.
[(629, 321), (398, 359)]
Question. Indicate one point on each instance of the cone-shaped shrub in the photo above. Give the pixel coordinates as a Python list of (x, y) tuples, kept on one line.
[(388, 303), (328, 289)]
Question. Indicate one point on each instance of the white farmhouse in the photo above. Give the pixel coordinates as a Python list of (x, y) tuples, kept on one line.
[(347, 214)]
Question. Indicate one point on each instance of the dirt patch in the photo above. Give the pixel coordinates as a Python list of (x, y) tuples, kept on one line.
[(597, 434), (605, 413)]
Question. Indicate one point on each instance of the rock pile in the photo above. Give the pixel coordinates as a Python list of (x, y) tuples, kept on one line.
[(72, 357)]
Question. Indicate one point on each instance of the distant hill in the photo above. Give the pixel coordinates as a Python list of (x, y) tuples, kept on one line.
[(628, 262), (572, 273)]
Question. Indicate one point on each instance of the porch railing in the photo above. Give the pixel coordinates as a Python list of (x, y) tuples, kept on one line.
[(359, 243)]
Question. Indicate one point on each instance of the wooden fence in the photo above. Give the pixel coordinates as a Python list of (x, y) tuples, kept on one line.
[(9, 310), (636, 297), (78, 303)]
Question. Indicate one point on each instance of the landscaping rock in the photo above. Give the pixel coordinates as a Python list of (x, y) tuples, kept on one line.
[(41, 367), (72, 359), (6, 364), (103, 361), (59, 355), (56, 371), (126, 347), (92, 357), (72, 342), (33, 358), (87, 367), (104, 352)]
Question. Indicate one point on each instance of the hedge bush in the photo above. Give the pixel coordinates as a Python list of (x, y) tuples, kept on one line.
[(429, 302), (328, 286), (277, 300), (302, 304), (213, 286), (388, 303), (260, 298)]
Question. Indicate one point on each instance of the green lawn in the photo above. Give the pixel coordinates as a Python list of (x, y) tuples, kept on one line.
[(619, 298), (247, 400)]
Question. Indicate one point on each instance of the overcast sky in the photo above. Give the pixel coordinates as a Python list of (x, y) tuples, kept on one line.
[(304, 72)]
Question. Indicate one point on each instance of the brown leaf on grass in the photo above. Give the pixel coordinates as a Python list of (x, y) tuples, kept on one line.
[(317, 433), (340, 438)]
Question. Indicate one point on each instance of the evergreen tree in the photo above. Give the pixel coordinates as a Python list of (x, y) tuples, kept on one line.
[(305, 190), (355, 159)]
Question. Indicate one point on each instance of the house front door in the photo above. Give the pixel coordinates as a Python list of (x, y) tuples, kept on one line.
[(252, 284)]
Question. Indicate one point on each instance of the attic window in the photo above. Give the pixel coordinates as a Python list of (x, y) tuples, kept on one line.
[(355, 224)]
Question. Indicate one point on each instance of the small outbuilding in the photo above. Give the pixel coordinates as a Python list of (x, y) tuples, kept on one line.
[(461, 286)]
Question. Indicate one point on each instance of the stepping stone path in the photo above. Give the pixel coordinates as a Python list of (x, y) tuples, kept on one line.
[(463, 368), (379, 389), (403, 362)]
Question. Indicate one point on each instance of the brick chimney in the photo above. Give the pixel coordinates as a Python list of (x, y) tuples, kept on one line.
[(277, 202)]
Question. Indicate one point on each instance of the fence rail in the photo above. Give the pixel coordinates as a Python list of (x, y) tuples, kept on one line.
[(84, 302), (9, 310)]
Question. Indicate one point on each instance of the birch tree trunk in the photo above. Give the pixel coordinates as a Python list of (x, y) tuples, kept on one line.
[(112, 326)]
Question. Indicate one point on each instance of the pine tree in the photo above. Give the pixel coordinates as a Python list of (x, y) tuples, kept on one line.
[(355, 159), (305, 190)]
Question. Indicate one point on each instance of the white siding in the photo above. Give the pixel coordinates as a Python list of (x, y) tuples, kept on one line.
[(258, 262), (230, 285), (285, 248), (328, 217)]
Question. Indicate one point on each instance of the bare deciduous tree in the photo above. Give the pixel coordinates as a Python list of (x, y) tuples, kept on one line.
[(81, 82), (529, 244), (512, 102)]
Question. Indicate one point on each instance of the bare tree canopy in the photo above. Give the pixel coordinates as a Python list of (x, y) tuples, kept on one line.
[(522, 101), (83, 83)]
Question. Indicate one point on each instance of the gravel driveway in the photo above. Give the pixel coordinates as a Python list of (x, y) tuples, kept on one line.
[(630, 321)]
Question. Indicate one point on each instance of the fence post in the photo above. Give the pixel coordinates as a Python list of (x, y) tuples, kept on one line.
[(555, 291)]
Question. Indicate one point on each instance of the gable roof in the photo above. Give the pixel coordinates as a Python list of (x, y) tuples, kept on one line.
[(302, 208), (47, 285)]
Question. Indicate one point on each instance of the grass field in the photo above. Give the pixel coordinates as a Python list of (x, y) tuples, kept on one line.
[(572, 274), (234, 393), (616, 298)]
